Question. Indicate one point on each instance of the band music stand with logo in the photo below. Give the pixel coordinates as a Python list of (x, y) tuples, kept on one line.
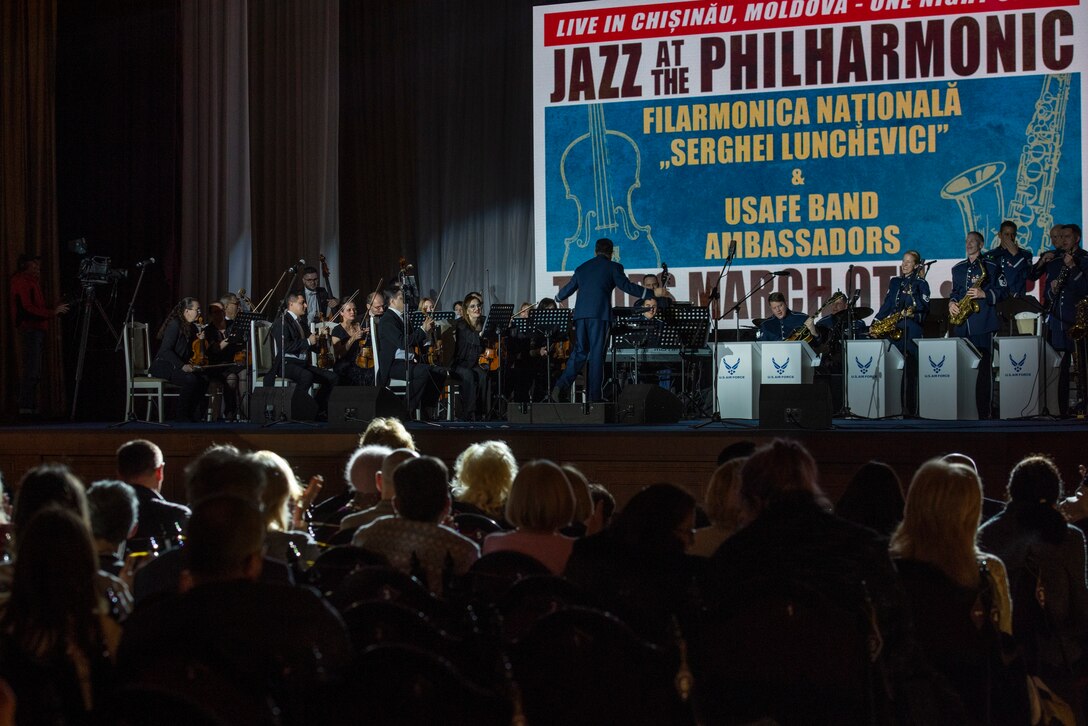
[(554, 324)]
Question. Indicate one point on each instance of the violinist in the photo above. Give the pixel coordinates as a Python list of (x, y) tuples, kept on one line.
[(354, 357), (182, 350), (426, 381), (530, 358), (293, 328), (468, 359), (221, 353)]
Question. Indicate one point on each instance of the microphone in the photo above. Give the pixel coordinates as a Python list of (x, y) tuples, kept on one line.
[(295, 267), (732, 249), (145, 263), (926, 263), (781, 273), (855, 298)]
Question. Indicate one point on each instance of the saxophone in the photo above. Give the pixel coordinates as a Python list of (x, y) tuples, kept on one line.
[(1080, 325), (802, 333), (888, 327), (969, 305)]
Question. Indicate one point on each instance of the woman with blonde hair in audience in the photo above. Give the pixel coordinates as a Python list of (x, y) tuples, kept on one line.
[(280, 494), (959, 595), (722, 503), (57, 641), (482, 477), (540, 504)]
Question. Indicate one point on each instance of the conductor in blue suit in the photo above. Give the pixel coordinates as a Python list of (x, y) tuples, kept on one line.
[(594, 281)]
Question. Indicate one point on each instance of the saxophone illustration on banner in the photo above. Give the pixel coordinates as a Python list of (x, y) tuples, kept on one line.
[(978, 192), (600, 171)]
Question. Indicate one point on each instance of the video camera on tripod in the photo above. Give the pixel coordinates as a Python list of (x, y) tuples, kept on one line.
[(97, 271)]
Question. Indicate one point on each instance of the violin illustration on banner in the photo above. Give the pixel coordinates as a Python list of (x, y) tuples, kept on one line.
[(600, 171)]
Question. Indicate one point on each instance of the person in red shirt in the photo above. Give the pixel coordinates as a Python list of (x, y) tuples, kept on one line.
[(30, 316)]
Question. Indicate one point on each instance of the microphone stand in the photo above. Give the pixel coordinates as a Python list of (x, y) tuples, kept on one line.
[(715, 414)]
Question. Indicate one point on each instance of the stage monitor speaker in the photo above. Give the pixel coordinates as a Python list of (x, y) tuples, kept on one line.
[(795, 406), (648, 403), (290, 403), (359, 404)]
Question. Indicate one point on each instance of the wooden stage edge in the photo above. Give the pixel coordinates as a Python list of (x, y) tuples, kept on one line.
[(623, 458)]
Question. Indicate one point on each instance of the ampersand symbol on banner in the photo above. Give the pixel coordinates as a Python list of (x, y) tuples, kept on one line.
[(797, 179)]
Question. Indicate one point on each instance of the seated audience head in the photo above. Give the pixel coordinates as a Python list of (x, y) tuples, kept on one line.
[(482, 475), (385, 481), (660, 518), (423, 490), (940, 520), (114, 511), (141, 462), (281, 489), (964, 459), (225, 541), (602, 498), (722, 499), (1036, 480), (53, 602), (778, 472), (362, 468), (736, 450), (387, 432), (541, 499), (579, 487), (873, 498), (223, 470), (47, 485)]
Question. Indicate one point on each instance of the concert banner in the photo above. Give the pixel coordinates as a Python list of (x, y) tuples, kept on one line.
[(822, 139)]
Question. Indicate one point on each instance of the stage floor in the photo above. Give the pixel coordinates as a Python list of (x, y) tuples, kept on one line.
[(622, 457)]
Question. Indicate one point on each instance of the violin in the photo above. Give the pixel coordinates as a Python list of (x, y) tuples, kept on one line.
[(489, 359), (199, 346), (325, 358), (561, 350)]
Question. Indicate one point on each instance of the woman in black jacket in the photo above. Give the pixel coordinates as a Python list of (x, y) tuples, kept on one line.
[(174, 359)]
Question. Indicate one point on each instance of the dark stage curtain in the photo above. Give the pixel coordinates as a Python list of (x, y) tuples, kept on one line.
[(28, 213), (436, 157)]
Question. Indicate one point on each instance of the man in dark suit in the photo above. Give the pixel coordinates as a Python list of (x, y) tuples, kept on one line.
[(140, 463), (393, 360), (594, 281), (298, 342), (318, 300)]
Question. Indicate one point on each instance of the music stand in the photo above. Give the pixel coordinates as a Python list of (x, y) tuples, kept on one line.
[(691, 327), (1010, 307), (631, 330), (415, 317), (554, 324)]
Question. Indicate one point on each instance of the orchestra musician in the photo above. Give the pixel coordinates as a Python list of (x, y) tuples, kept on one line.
[(782, 321), (529, 358), (594, 281), (320, 305), (908, 291), (173, 361), (467, 365), (293, 328), (223, 352), (354, 358), (426, 381), (1066, 270), (979, 328)]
